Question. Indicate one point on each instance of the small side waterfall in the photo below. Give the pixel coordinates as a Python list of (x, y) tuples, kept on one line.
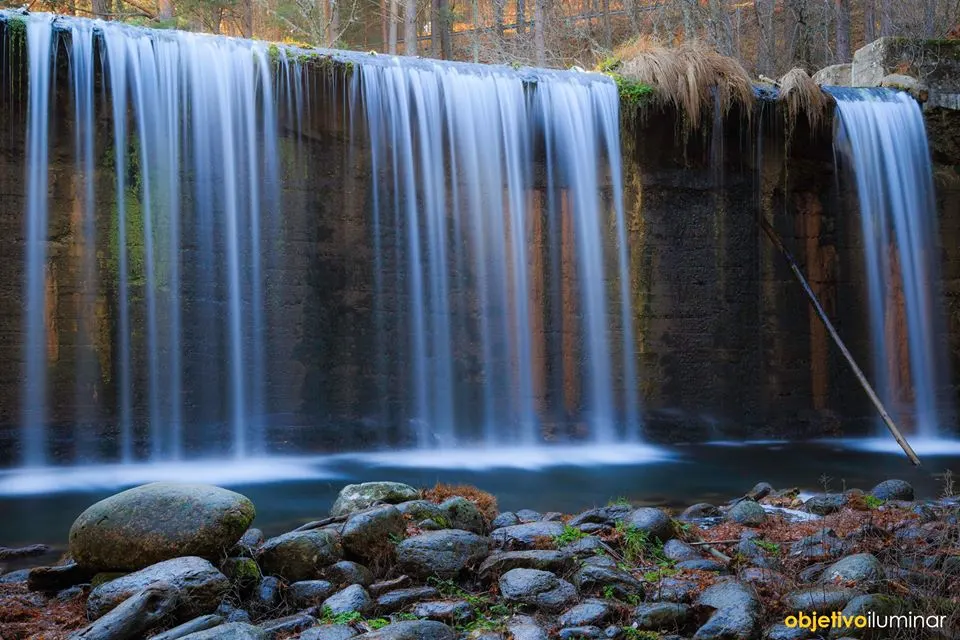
[(501, 295), (881, 133)]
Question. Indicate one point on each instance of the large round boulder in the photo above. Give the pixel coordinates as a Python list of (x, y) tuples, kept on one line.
[(357, 497), (156, 522), (652, 521)]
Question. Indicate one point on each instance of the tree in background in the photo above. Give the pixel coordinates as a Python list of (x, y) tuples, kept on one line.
[(769, 37)]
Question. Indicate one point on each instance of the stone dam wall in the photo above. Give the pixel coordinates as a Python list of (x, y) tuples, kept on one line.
[(728, 346)]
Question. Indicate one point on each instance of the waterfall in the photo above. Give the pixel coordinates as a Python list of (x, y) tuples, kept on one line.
[(500, 310), (881, 132)]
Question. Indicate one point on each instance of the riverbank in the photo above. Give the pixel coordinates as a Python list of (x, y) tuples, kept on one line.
[(393, 562)]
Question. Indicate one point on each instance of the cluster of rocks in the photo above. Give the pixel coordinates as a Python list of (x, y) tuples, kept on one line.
[(172, 561)]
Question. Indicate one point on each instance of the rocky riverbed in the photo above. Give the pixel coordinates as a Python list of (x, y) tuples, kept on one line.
[(392, 562)]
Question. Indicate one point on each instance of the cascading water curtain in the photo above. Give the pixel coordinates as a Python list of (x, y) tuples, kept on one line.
[(882, 134), (454, 152)]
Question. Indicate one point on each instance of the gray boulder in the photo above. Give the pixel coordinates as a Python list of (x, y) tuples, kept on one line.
[(679, 551), (353, 598), (699, 511), (825, 599), (604, 515), (893, 490), (197, 624), (300, 555), (308, 593), (657, 616), (747, 513), (581, 633), (526, 536), (654, 522), (454, 611), (596, 578), (329, 632), (156, 522), (860, 570), (400, 598), (587, 613), (441, 553), (825, 504), (347, 572), (461, 513), (420, 510), (357, 497), (536, 588), (528, 631), (545, 560), (881, 605), (736, 612), (505, 519), (412, 630), (230, 631), (369, 534), (196, 583)]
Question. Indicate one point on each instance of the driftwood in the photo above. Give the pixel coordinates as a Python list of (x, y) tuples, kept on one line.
[(317, 524), (59, 577), (197, 624), (700, 542), (12, 553), (887, 420), (133, 617)]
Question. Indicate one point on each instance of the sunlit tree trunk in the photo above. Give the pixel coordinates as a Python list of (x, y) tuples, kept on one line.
[(498, 17), (539, 39), (843, 30), (333, 32), (247, 26), (869, 21), (521, 17), (101, 8), (886, 18), (410, 28), (394, 20), (607, 28), (166, 9)]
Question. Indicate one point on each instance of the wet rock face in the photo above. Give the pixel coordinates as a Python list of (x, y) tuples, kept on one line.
[(357, 497), (540, 589), (197, 584), (300, 555), (156, 522), (441, 553)]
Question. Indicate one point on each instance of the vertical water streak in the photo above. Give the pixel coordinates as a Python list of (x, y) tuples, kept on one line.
[(116, 54), (34, 385), (82, 83), (882, 132)]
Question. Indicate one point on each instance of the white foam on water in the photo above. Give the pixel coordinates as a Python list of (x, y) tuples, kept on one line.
[(934, 447), (226, 472), (533, 458)]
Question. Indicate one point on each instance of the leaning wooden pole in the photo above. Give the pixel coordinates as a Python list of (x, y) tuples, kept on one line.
[(887, 420)]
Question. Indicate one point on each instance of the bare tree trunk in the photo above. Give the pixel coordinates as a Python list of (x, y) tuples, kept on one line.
[(247, 26), (539, 39), (843, 30), (100, 8), (767, 38), (410, 28), (166, 9), (869, 21), (445, 28), (216, 19), (929, 18), (394, 20), (384, 25), (521, 17), (475, 7), (607, 28), (498, 17), (886, 19), (689, 30)]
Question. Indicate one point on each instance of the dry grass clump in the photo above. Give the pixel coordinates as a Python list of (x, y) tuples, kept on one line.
[(802, 95), (486, 502), (22, 616), (691, 76)]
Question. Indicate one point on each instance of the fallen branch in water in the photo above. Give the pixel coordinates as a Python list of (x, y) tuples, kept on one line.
[(10, 553), (887, 420)]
